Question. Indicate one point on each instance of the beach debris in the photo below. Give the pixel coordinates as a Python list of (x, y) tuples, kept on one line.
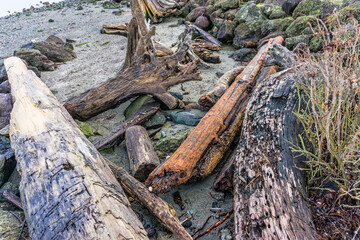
[(77, 177), (184, 117), (118, 133), (120, 29), (205, 146), (154, 77), (142, 156)]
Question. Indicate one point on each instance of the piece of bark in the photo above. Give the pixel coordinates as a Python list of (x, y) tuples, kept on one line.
[(270, 198), (142, 156), (13, 199), (200, 43), (207, 55), (67, 190), (224, 179), (178, 169), (221, 85), (164, 212), (143, 73), (121, 29), (117, 134), (215, 152)]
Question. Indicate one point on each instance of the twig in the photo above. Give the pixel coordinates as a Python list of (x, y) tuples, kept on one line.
[(215, 225), (12, 198), (326, 31), (355, 233), (202, 226), (15, 215), (21, 230)]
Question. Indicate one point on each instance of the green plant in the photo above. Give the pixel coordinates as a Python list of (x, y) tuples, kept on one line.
[(329, 89)]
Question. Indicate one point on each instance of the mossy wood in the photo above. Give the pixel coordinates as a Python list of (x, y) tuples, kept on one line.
[(270, 198), (207, 143), (67, 189), (142, 156), (164, 212), (143, 73)]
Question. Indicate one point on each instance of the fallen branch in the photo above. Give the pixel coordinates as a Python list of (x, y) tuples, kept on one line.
[(117, 134), (121, 29), (143, 73), (158, 207), (209, 99), (215, 225), (180, 167), (13, 199), (67, 190)]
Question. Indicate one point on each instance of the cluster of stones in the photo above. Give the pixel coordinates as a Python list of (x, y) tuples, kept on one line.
[(244, 22)]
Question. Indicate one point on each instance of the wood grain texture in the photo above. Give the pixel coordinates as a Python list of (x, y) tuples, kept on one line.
[(142, 156), (178, 169), (67, 189), (270, 198)]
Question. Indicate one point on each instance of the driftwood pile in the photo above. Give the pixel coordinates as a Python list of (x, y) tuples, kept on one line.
[(69, 190)]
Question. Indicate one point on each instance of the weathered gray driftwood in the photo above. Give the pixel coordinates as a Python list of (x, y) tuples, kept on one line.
[(67, 189), (270, 200), (142, 156)]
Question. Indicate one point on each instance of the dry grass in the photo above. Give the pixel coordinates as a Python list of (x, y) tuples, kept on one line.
[(330, 114)]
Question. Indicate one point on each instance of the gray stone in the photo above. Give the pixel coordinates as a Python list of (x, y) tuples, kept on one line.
[(3, 75), (5, 109), (307, 8), (275, 25), (289, 6), (297, 26), (244, 54), (34, 58), (248, 13), (277, 13), (155, 121), (225, 234), (5, 87), (184, 117), (5, 148), (55, 49), (226, 4), (280, 56), (5, 131), (202, 22), (247, 32), (292, 42), (226, 32), (169, 144)]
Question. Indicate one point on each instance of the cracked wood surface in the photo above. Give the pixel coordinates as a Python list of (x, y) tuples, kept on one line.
[(67, 189), (270, 198)]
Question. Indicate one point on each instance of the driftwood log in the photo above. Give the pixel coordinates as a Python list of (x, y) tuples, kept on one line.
[(270, 198), (143, 73), (158, 9), (222, 84), (142, 155), (210, 138), (164, 212), (117, 134), (67, 189)]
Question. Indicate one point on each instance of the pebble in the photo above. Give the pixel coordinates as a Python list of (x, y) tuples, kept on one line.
[(187, 224)]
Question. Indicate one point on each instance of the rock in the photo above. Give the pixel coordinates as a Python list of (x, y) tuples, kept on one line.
[(230, 14), (248, 13), (316, 44), (289, 6), (297, 26), (3, 75), (35, 70), (277, 13), (280, 56), (151, 232), (168, 144), (34, 58), (291, 42), (307, 8), (177, 95), (10, 226), (6, 106), (7, 160), (244, 54), (155, 121), (136, 105), (195, 13), (351, 10), (275, 25), (5, 131), (247, 32), (226, 32), (225, 234), (5, 87), (54, 49), (301, 50), (186, 118), (226, 4), (85, 128), (157, 136), (202, 22), (187, 224), (217, 18), (11, 185), (327, 8)]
